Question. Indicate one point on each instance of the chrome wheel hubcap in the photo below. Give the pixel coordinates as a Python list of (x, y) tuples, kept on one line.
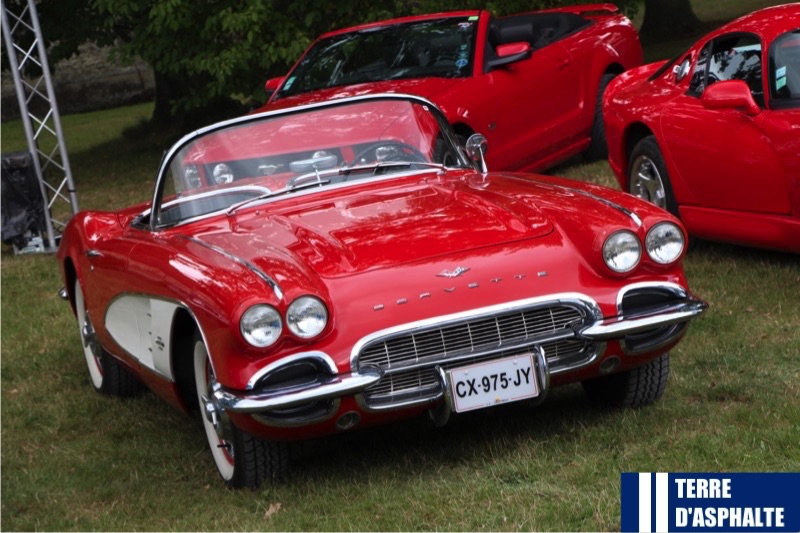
[(646, 182)]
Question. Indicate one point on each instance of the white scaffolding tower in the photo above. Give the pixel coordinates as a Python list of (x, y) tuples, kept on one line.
[(27, 55)]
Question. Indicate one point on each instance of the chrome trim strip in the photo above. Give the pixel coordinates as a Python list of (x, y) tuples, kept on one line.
[(676, 289), (330, 387), (633, 216), (440, 321), (320, 357), (245, 263), (616, 327)]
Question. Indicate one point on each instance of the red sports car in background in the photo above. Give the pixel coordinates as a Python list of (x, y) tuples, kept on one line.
[(531, 83), (321, 269), (713, 135)]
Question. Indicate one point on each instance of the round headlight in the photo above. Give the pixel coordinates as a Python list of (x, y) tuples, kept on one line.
[(261, 325), (306, 317), (664, 242), (223, 174), (622, 251)]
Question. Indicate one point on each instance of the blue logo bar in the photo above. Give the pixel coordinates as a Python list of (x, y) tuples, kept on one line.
[(738, 502)]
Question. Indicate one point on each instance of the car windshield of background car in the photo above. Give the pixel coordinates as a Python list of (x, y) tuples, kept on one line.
[(430, 48)]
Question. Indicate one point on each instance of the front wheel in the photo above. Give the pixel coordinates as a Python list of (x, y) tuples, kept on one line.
[(637, 387), (108, 375), (241, 459), (648, 178)]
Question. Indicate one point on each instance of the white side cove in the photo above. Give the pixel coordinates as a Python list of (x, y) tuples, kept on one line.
[(143, 326)]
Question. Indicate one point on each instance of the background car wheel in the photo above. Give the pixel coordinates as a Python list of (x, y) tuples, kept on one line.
[(108, 375), (598, 148), (241, 459), (647, 175), (637, 387)]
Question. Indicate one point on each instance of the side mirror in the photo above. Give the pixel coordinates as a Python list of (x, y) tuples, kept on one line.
[(476, 147), (272, 85), (505, 54), (730, 94), (681, 71)]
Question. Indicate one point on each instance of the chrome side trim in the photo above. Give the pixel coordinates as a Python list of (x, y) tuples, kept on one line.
[(245, 263), (616, 327), (329, 387)]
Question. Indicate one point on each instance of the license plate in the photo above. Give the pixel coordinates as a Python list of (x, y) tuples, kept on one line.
[(492, 383)]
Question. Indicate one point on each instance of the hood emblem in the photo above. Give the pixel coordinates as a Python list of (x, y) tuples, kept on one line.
[(452, 273)]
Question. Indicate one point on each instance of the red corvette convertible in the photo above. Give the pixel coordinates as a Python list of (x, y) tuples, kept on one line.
[(529, 82), (330, 267), (713, 135)]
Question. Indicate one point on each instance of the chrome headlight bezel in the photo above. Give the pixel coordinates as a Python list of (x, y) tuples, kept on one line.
[(665, 243), (622, 251), (307, 317), (261, 325)]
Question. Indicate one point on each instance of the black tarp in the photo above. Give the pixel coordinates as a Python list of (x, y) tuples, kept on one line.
[(22, 204)]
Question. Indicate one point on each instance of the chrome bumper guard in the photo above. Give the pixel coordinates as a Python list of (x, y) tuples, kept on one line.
[(328, 387), (613, 328)]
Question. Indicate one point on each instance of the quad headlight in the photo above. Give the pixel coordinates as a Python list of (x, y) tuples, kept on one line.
[(261, 325), (307, 317), (622, 251), (664, 243)]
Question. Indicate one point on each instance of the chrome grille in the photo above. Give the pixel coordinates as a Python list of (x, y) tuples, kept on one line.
[(408, 358)]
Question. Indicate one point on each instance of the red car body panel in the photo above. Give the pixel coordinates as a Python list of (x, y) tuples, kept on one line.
[(396, 250), (734, 171), (535, 112)]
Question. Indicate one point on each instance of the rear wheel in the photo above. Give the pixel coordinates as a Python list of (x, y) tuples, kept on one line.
[(241, 459), (598, 147), (108, 375), (637, 387)]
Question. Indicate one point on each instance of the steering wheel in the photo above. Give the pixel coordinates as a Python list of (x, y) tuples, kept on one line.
[(395, 151)]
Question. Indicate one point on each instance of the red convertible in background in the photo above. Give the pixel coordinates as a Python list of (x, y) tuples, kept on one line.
[(339, 265), (531, 83), (713, 135)]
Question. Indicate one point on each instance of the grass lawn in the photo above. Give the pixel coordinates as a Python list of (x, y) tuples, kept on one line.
[(73, 460)]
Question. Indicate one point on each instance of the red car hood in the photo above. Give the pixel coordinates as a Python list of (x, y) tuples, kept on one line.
[(379, 225), (425, 87)]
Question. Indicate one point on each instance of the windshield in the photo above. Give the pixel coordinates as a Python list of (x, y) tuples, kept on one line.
[(272, 154), (429, 48)]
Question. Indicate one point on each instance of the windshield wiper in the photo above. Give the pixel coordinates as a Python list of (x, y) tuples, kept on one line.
[(377, 168)]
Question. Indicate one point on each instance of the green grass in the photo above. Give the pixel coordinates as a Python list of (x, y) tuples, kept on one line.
[(74, 460)]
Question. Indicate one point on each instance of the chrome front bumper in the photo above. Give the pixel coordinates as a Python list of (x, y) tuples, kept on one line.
[(329, 387)]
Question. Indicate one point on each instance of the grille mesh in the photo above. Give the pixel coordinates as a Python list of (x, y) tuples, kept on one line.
[(408, 359)]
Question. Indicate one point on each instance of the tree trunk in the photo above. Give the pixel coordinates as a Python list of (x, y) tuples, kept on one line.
[(668, 18), (167, 91)]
